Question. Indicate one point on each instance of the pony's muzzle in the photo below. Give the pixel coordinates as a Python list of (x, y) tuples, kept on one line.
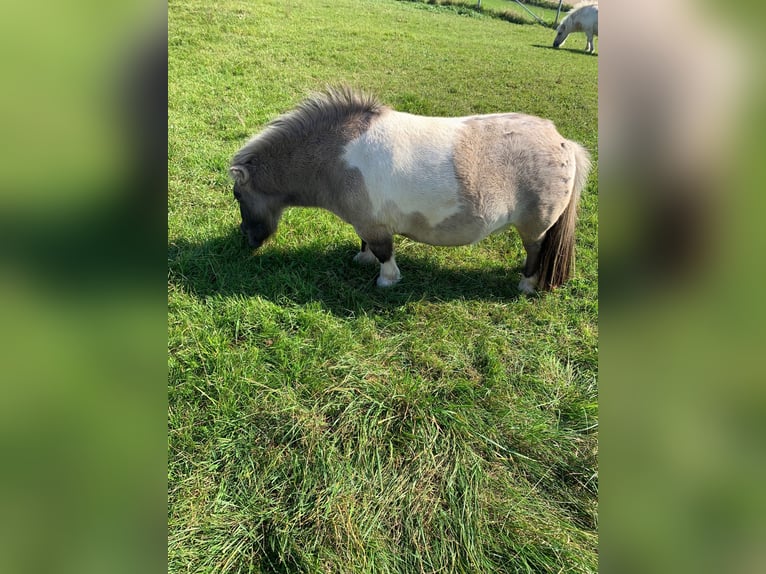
[(251, 241)]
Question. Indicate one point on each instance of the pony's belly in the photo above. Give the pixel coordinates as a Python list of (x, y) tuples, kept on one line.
[(453, 232), (443, 239)]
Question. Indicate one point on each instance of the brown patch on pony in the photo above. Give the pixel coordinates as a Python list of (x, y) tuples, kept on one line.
[(297, 159)]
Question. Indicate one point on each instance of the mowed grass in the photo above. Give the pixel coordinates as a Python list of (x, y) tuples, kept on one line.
[(317, 423)]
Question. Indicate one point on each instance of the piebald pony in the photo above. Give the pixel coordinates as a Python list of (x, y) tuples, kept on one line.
[(441, 181)]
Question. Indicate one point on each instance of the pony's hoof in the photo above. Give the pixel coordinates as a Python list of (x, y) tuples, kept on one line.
[(527, 285), (384, 282), (365, 257)]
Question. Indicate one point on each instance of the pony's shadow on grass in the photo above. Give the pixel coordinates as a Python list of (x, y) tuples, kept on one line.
[(223, 266), (562, 49)]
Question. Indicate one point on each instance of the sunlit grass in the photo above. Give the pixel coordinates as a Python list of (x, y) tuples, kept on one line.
[(318, 423)]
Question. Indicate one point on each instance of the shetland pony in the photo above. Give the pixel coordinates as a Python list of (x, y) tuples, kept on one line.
[(437, 180), (584, 18)]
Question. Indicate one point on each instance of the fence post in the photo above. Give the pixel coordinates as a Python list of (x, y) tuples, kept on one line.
[(557, 12)]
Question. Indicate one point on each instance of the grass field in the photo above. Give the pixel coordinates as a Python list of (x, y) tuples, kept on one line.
[(317, 423)]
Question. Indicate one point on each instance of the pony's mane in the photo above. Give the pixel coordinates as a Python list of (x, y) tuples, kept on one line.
[(330, 107)]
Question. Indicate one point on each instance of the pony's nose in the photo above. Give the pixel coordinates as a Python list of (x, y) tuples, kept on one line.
[(254, 243)]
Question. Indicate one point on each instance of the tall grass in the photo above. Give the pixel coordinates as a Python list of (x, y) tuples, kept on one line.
[(318, 423)]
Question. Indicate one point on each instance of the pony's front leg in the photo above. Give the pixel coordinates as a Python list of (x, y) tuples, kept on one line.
[(383, 250)]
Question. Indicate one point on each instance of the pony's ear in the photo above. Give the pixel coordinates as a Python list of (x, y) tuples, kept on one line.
[(239, 173)]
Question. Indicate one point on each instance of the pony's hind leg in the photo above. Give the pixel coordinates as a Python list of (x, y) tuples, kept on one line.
[(365, 255), (383, 249), (531, 272)]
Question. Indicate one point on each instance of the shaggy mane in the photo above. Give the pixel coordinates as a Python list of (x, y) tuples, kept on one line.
[(330, 107)]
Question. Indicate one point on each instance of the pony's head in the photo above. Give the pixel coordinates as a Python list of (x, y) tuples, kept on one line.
[(561, 34), (260, 208)]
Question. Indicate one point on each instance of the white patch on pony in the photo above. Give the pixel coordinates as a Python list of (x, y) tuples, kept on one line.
[(365, 257), (389, 273), (407, 165), (528, 284)]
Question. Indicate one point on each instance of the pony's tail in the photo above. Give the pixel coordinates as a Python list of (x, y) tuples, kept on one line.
[(557, 253)]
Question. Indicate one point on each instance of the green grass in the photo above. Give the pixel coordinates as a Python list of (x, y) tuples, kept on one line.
[(508, 10), (318, 423)]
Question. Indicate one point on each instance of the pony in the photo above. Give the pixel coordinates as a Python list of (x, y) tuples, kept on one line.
[(584, 18), (438, 180)]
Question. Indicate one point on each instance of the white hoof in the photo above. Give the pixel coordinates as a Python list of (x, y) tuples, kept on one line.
[(528, 284), (365, 257), (388, 281), (389, 273)]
